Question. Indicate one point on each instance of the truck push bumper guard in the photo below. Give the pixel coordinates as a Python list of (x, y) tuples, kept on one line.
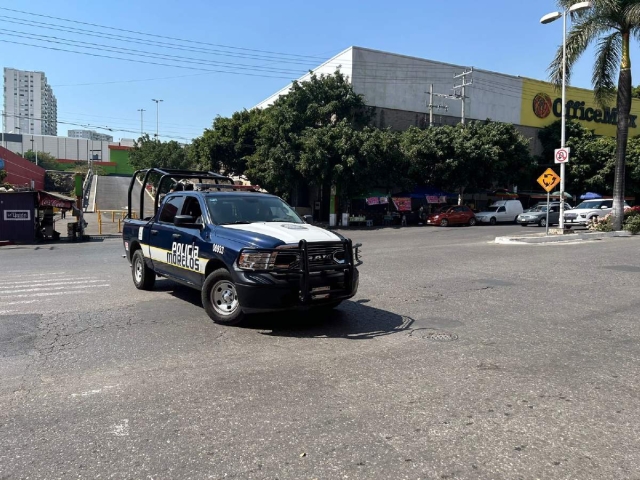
[(305, 282), (351, 260)]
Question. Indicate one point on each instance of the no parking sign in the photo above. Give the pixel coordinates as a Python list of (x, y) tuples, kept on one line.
[(562, 155)]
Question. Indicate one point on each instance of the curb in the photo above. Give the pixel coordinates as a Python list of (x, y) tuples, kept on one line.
[(560, 238)]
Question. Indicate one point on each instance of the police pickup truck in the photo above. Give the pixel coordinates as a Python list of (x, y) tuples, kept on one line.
[(245, 251)]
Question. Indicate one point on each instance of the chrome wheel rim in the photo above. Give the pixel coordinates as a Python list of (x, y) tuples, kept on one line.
[(543, 223), (224, 298), (138, 271)]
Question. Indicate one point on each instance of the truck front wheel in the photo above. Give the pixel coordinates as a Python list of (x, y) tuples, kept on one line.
[(143, 277), (220, 298)]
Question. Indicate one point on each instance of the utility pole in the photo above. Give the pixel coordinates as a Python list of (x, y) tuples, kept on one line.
[(141, 110), (157, 114), (462, 86), (432, 106)]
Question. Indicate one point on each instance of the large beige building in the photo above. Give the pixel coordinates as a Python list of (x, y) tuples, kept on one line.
[(30, 107)]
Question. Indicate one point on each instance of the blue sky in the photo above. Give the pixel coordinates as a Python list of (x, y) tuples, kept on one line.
[(499, 35)]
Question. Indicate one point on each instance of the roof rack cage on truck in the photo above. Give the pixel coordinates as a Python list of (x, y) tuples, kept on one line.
[(177, 174)]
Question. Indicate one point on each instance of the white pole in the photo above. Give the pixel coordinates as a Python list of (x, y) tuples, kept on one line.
[(431, 105), (564, 115)]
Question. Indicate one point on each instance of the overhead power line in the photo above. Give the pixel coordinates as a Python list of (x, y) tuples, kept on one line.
[(231, 47)]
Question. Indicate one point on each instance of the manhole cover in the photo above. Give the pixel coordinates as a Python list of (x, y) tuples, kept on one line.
[(440, 336)]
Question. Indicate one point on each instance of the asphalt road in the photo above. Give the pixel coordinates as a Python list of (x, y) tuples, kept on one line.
[(458, 359)]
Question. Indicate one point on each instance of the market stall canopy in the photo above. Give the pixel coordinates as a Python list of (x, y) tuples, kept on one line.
[(423, 192), (590, 196), (48, 199), (566, 195)]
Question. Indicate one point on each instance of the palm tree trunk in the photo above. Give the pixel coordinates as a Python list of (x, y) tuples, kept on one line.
[(624, 107)]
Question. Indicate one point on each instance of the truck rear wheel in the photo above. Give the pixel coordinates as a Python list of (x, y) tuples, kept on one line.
[(220, 298), (143, 277)]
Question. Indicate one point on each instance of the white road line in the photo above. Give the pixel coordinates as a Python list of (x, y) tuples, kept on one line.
[(20, 302), (56, 279), (48, 286), (49, 294), (41, 274)]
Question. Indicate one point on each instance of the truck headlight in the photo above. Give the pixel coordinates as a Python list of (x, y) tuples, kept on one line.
[(256, 260)]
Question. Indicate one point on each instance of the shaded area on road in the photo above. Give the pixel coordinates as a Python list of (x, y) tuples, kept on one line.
[(351, 320)]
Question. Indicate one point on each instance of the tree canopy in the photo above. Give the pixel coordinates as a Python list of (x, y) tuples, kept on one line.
[(149, 153)]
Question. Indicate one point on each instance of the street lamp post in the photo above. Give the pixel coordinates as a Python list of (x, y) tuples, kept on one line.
[(157, 114), (142, 110), (36, 149), (548, 18)]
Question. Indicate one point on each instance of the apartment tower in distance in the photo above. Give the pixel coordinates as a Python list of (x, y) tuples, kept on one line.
[(29, 104)]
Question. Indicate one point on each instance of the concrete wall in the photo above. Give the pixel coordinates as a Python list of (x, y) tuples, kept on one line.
[(119, 164), (63, 148), (343, 61), (398, 82)]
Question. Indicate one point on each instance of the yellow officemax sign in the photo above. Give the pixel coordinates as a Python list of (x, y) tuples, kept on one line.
[(542, 105)]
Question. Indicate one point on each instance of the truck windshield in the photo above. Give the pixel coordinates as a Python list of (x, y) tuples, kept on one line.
[(230, 210)]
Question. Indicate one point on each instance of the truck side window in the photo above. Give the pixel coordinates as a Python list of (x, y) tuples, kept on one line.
[(502, 209), (170, 208), (192, 208)]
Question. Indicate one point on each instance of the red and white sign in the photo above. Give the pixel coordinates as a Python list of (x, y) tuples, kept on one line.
[(562, 155)]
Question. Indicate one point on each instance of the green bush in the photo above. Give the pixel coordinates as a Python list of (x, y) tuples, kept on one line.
[(604, 224), (632, 224), (631, 212)]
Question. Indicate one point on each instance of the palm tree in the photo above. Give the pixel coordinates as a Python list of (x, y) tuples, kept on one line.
[(609, 23)]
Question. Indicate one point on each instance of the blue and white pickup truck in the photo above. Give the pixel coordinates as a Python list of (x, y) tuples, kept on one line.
[(245, 251)]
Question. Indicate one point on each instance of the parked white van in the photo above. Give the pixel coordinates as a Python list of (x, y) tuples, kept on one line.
[(501, 211)]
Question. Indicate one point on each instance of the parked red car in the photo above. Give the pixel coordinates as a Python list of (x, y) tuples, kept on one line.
[(458, 215)]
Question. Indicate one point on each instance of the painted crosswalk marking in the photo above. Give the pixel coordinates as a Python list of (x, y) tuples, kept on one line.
[(22, 293)]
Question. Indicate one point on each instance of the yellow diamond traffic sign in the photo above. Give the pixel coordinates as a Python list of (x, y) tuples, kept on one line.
[(548, 180)]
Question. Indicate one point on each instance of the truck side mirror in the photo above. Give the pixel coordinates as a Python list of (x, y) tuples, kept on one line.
[(308, 218), (186, 221)]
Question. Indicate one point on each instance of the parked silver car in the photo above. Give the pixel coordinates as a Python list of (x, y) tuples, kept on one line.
[(537, 215)]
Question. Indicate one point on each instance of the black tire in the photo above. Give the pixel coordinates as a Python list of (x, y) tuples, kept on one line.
[(472, 222), (143, 277), (492, 221), (515, 220), (220, 298), (444, 222), (542, 222), (523, 225)]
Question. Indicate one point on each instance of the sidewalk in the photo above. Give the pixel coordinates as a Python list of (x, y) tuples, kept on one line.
[(578, 236)]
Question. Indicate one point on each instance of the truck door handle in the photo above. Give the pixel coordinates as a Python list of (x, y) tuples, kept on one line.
[(154, 232), (176, 235)]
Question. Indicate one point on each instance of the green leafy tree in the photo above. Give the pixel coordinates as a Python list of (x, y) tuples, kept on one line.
[(633, 166), (549, 137), (425, 150), (3, 175), (45, 160), (227, 146), (635, 92), (352, 160), (476, 155), (610, 23), (319, 102), (149, 153)]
